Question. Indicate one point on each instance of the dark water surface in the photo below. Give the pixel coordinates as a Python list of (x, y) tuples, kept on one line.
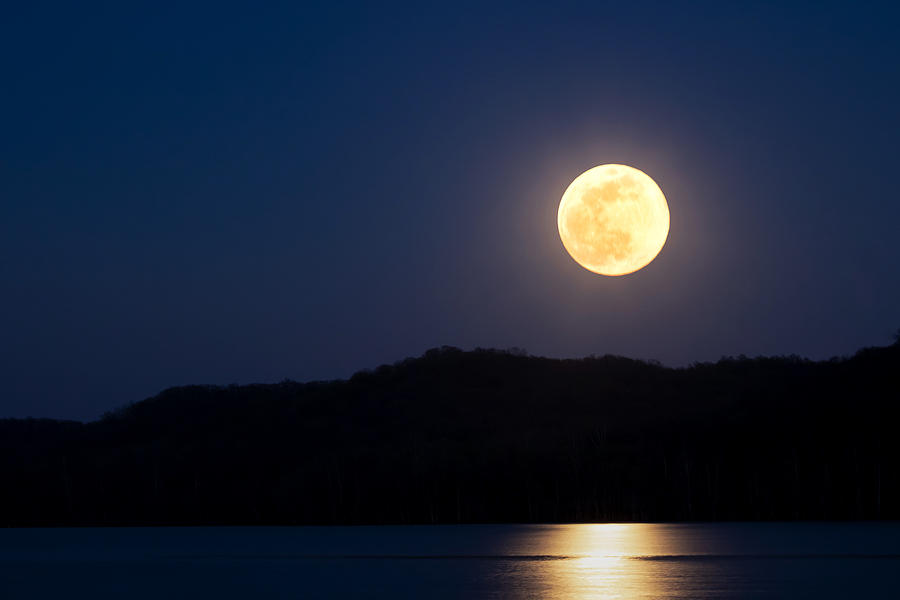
[(626, 561)]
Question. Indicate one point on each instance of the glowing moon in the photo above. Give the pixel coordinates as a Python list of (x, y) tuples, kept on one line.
[(613, 219)]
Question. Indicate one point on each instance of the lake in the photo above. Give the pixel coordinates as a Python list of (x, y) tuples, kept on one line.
[(624, 561)]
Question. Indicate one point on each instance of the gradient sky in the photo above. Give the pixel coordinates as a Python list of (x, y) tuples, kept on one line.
[(226, 192)]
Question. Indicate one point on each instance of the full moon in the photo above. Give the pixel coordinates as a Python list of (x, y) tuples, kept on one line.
[(613, 219)]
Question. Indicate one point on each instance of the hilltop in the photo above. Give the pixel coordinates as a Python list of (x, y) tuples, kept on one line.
[(480, 436)]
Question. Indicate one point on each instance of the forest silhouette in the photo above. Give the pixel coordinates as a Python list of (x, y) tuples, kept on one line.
[(479, 436)]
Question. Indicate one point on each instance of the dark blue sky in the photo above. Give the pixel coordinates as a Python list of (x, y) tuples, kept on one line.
[(224, 192)]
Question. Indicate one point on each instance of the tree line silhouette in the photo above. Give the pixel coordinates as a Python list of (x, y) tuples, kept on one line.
[(481, 436)]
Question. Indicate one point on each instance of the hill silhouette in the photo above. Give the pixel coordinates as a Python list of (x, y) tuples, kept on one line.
[(481, 436)]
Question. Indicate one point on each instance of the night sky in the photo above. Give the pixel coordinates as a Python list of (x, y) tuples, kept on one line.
[(231, 193)]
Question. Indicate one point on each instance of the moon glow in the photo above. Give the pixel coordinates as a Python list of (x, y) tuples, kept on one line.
[(613, 219)]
